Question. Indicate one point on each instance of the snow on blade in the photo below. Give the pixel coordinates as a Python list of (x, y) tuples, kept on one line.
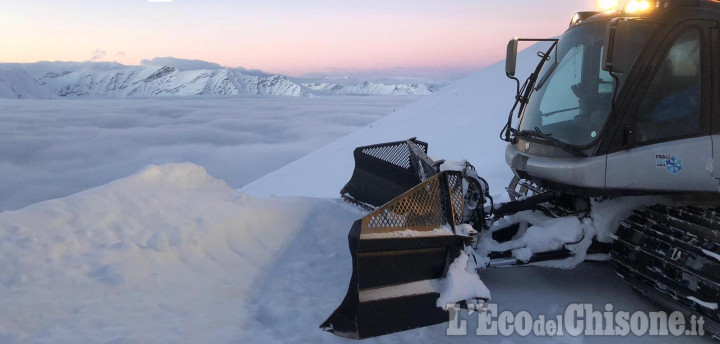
[(462, 283), (409, 233)]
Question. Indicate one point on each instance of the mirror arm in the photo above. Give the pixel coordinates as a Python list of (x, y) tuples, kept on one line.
[(517, 86), (522, 92)]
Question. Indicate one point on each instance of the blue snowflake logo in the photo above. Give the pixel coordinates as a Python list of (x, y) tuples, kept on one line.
[(673, 165)]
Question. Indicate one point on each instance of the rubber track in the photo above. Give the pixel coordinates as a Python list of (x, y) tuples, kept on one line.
[(673, 252)]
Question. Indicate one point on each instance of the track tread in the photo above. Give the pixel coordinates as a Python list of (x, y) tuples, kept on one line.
[(674, 251)]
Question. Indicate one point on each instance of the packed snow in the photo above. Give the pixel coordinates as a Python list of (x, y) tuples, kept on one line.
[(51, 149)]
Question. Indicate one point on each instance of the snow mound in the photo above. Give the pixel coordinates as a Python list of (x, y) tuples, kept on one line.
[(185, 175), (165, 255)]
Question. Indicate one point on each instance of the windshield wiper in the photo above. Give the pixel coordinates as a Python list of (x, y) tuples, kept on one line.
[(548, 114), (548, 137), (547, 74), (523, 93)]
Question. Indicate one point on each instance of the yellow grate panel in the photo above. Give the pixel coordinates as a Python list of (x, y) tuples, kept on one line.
[(421, 208)]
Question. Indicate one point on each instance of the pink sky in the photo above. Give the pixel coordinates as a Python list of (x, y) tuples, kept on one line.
[(293, 37)]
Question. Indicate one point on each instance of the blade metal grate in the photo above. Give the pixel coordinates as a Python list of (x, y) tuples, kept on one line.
[(422, 208), (457, 197), (397, 154)]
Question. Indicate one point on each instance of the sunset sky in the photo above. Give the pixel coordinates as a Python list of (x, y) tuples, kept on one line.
[(293, 37)]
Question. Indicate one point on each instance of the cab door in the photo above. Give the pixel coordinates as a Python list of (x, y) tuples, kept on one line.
[(667, 141), (715, 116)]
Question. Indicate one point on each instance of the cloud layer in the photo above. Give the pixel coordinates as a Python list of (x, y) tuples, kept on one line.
[(50, 149)]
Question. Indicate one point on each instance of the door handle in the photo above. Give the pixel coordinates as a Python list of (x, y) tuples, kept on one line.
[(627, 137)]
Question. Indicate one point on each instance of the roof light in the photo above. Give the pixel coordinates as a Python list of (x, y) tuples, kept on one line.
[(638, 6), (609, 5)]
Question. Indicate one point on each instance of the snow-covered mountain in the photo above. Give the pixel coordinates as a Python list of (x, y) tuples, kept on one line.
[(173, 77), (17, 83), (152, 81), (376, 88)]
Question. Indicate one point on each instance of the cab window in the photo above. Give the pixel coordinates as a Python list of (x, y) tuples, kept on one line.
[(671, 106)]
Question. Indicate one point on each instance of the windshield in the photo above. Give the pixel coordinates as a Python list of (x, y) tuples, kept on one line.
[(573, 97)]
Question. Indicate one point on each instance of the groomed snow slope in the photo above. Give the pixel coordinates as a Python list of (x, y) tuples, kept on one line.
[(462, 121)]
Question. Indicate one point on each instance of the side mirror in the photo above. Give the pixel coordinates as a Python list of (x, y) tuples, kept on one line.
[(618, 43), (511, 58)]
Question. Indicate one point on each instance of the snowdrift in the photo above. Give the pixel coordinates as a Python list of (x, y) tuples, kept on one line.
[(165, 255)]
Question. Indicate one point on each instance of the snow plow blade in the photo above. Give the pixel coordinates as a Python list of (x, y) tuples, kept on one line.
[(400, 253), (387, 170)]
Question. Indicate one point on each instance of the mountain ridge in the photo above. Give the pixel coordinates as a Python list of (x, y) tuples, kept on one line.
[(162, 77)]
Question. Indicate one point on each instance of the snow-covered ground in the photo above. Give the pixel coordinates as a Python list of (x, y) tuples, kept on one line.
[(167, 255), (51, 149), (171, 254)]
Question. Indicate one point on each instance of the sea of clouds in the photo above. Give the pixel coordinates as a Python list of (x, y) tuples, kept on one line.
[(51, 149)]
